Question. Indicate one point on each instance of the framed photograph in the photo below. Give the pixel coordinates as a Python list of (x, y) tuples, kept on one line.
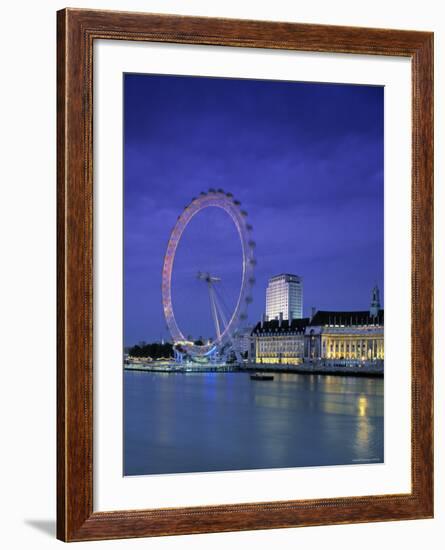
[(245, 294)]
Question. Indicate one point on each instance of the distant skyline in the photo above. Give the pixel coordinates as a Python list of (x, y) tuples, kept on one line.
[(305, 160)]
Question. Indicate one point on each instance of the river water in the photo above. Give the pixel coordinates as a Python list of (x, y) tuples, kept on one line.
[(177, 423)]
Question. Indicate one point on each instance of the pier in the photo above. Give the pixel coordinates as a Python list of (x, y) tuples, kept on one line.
[(318, 367)]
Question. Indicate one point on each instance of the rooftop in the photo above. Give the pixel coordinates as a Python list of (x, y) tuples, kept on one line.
[(347, 318), (323, 318), (284, 275), (296, 325)]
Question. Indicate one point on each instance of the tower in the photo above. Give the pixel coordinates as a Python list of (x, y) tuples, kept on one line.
[(284, 295), (375, 302)]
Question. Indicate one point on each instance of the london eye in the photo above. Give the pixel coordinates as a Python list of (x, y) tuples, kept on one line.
[(226, 325)]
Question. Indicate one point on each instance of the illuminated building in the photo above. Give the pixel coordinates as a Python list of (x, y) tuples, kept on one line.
[(284, 295), (343, 337), (279, 341)]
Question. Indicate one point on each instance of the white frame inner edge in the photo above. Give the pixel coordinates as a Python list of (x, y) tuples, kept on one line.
[(112, 491)]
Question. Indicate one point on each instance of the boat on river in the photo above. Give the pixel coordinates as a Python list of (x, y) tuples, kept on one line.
[(261, 376)]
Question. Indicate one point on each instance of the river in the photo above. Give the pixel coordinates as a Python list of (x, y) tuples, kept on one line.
[(176, 423)]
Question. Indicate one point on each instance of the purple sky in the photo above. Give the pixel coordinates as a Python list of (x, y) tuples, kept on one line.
[(306, 162)]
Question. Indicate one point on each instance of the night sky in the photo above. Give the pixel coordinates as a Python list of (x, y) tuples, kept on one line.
[(304, 159)]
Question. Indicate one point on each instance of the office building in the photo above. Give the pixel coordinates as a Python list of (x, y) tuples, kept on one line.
[(284, 296)]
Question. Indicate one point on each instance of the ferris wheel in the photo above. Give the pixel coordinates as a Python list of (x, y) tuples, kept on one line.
[(226, 326)]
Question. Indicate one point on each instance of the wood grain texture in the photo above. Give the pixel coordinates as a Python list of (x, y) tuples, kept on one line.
[(76, 32)]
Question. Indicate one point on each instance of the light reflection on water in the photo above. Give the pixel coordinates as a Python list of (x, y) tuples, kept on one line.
[(209, 422)]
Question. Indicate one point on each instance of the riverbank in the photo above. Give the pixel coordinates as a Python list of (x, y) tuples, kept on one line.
[(178, 368), (305, 368), (317, 368)]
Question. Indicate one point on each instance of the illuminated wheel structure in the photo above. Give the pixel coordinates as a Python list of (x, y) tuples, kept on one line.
[(225, 201)]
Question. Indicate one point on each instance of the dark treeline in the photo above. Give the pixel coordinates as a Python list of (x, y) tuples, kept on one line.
[(155, 350)]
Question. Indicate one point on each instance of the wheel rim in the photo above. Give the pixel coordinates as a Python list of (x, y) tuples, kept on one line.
[(225, 201)]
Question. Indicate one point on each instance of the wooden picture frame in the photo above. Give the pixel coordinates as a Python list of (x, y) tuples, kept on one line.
[(76, 32)]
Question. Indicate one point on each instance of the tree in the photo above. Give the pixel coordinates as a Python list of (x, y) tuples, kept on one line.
[(154, 350)]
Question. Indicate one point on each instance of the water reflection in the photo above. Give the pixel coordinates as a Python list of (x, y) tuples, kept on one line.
[(362, 405), (209, 422)]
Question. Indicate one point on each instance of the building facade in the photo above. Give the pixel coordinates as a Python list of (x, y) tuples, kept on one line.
[(284, 295), (345, 337), (243, 341), (279, 341)]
